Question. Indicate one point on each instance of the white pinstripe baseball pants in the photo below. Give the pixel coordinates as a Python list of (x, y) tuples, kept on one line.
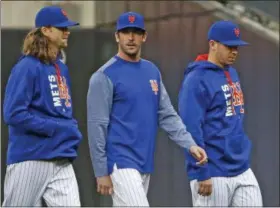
[(241, 190), (130, 187), (29, 183)]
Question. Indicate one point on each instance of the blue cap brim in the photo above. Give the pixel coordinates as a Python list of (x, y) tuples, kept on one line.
[(68, 23), (130, 26), (235, 43)]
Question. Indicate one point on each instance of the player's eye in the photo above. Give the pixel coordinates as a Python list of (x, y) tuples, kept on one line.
[(63, 29)]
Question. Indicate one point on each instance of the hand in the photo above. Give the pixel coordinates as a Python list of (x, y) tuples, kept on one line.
[(205, 187), (104, 185), (199, 154)]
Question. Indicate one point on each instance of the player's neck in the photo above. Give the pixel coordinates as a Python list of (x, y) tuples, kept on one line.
[(55, 49), (128, 58), (212, 58)]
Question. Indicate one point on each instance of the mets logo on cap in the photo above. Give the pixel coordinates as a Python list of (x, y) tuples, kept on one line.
[(131, 18), (64, 13), (237, 32), (154, 86)]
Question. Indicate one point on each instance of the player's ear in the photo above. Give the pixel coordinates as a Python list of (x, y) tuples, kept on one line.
[(117, 37), (213, 45), (145, 37), (44, 30)]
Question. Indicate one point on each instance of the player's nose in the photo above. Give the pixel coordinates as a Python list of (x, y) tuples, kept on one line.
[(130, 35), (235, 52)]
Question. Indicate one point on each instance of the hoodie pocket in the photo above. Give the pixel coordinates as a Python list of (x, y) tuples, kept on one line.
[(237, 148), (65, 140), (68, 131)]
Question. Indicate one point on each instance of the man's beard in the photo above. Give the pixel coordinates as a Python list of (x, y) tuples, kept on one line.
[(131, 55)]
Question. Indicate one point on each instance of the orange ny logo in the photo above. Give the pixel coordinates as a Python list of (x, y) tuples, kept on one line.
[(63, 91), (237, 96), (64, 13), (154, 86), (131, 18), (237, 32)]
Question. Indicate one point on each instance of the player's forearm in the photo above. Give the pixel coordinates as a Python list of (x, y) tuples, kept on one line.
[(170, 121), (31, 123), (97, 131), (18, 97), (100, 167), (176, 130), (99, 104)]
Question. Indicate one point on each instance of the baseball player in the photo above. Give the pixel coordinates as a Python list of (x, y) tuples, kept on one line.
[(43, 135), (125, 104), (211, 104)]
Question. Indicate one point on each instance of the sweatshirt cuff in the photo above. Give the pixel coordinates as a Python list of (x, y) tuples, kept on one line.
[(101, 171), (203, 173), (190, 143)]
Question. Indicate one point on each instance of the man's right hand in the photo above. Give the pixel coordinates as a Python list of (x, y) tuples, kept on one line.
[(199, 154), (205, 187), (104, 185)]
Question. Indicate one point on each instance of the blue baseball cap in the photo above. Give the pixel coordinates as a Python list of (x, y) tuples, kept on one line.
[(227, 33), (53, 16), (130, 19)]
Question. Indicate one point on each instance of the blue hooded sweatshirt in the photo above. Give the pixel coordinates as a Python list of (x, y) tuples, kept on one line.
[(211, 105), (39, 113)]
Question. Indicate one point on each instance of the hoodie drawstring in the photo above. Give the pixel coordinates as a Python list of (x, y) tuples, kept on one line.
[(57, 70), (229, 80), (58, 75), (62, 89)]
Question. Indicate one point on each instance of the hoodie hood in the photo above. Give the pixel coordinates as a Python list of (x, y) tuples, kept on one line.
[(201, 61), (60, 57)]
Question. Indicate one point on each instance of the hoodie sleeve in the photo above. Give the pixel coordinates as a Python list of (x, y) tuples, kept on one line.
[(18, 97), (193, 102), (99, 104), (170, 121)]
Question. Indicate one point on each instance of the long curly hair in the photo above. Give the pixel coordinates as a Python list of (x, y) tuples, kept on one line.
[(38, 45)]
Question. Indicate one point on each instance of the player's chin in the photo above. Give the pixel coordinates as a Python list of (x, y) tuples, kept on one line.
[(132, 50), (132, 53), (230, 62), (64, 45)]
